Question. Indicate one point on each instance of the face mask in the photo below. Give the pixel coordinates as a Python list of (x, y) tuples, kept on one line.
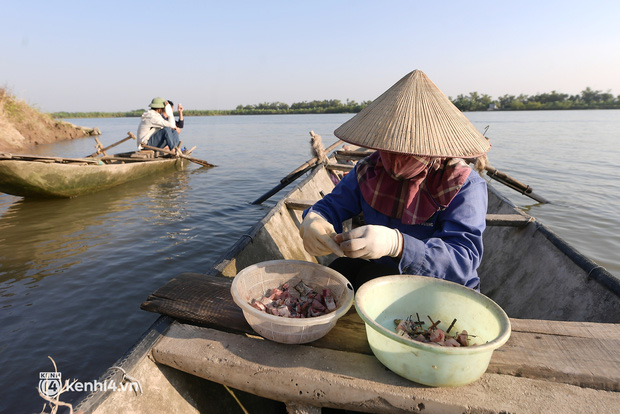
[(403, 166)]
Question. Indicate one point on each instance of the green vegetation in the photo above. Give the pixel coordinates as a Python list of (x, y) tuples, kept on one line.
[(23, 126), (129, 114), (331, 106), (587, 99)]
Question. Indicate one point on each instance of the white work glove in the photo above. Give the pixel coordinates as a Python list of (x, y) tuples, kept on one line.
[(371, 242), (317, 234)]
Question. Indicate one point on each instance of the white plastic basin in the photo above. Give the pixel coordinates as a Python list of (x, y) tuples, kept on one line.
[(253, 281)]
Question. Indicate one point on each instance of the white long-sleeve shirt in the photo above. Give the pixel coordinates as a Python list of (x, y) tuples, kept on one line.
[(170, 115), (150, 123)]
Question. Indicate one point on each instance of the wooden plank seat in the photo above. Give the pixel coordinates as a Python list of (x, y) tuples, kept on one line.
[(513, 220), (581, 354), (339, 167), (358, 154), (307, 378), (143, 154)]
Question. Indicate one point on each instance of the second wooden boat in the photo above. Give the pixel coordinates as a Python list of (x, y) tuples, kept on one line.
[(47, 177)]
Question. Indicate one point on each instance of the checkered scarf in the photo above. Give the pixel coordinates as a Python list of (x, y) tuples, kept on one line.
[(412, 200)]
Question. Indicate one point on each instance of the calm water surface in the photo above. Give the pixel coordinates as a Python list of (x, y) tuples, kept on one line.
[(74, 272)]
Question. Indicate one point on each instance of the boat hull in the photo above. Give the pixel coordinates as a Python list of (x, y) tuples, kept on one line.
[(53, 180), (521, 271)]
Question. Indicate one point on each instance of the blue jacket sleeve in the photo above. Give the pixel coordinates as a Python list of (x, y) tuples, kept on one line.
[(341, 204), (454, 249), (448, 246)]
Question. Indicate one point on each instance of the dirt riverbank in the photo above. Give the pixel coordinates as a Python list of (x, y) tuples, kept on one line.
[(23, 127)]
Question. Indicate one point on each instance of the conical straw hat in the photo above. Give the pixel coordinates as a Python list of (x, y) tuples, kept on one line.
[(414, 117)]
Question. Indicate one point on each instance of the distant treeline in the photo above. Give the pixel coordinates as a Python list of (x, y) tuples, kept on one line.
[(129, 114), (331, 106), (587, 99)]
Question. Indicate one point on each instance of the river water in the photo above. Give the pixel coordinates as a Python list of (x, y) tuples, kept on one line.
[(73, 272)]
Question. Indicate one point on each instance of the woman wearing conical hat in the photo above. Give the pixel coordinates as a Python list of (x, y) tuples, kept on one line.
[(423, 207)]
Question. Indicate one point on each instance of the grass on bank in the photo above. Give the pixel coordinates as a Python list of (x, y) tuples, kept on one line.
[(21, 117), (22, 125)]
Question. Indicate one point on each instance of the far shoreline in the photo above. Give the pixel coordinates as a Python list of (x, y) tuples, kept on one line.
[(191, 113), (474, 102)]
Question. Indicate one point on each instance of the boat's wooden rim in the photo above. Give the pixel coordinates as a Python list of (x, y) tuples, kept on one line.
[(593, 270), (27, 157), (128, 361), (107, 159)]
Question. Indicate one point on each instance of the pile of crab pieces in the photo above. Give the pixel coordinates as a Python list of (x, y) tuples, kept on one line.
[(414, 330), (302, 302)]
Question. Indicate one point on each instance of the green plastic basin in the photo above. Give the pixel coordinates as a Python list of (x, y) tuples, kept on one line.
[(381, 300)]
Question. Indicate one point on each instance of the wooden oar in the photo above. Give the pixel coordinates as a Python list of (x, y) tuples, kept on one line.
[(192, 159), (514, 184), (101, 150), (295, 174)]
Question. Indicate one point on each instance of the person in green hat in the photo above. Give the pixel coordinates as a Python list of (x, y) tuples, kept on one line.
[(155, 130)]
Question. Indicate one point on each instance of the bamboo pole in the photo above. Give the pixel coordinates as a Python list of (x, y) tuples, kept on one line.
[(181, 155), (518, 186), (101, 150), (295, 174)]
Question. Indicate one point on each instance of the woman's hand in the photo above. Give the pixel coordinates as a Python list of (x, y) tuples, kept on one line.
[(371, 242), (317, 234)]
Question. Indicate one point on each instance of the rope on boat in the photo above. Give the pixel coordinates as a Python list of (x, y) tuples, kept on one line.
[(236, 399), (249, 236), (317, 147), (481, 163), (130, 379), (593, 269)]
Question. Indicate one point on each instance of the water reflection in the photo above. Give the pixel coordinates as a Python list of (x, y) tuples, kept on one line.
[(43, 237)]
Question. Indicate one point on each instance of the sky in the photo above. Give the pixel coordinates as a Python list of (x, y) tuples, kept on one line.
[(83, 56)]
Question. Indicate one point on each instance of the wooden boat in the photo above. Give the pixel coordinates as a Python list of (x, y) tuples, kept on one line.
[(45, 177), (562, 355)]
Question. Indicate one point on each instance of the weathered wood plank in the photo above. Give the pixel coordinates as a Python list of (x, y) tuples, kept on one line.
[(307, 375), (513, 220), (581, 360), (339, 167), (143, 154), (577, 353), (354, 154), (131, 159), (298, 204), (44, 158), (348, 158), (601, 331)]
